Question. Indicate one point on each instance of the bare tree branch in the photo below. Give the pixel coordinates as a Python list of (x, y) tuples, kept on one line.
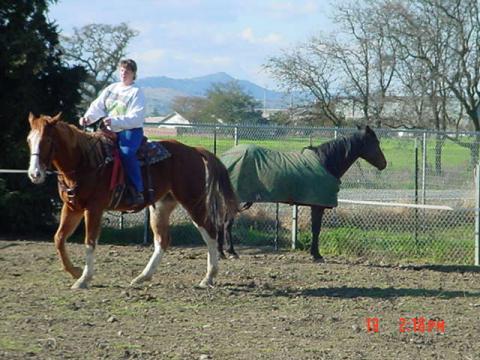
[(98, 48)]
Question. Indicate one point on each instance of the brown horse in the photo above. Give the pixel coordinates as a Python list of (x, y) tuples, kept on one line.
[(193, 177)]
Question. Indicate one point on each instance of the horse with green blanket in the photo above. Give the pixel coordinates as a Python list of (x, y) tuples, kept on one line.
[(311, 177)]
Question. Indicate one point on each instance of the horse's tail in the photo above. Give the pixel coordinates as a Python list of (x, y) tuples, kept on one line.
[(222, 202)]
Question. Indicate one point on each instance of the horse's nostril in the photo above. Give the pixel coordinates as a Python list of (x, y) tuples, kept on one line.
[(35, 174)]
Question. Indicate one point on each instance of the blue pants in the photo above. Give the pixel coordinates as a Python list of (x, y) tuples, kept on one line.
[(128, 142)]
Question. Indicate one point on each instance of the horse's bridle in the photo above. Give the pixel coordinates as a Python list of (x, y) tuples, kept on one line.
[(49, 158)]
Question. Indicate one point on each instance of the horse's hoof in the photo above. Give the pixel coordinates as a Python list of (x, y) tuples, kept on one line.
[(80, 285), (221, 256), (139, 279), (318, 260), (205, 284), (233, 256)]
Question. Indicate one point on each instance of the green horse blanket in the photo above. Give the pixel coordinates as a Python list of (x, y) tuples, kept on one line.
[(263, 175)]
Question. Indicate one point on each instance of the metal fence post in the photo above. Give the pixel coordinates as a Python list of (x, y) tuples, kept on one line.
[(477, 214), (235, 135), (416, 191), (294, 226), (424, 169)]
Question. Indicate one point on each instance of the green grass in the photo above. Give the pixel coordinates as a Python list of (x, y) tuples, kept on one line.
[(127, 236), (452, 245), (446, 245)]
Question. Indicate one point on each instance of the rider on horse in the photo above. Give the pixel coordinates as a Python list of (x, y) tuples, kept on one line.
[(121, 106)]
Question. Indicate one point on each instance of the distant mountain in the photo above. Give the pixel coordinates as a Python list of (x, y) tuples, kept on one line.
[(161, 90)]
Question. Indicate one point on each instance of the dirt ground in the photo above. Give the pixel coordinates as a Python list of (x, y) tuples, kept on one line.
[(266, 305)]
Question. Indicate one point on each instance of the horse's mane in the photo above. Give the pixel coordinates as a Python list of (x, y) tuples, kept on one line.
[(345, 145), (332, 154), (88, 145)]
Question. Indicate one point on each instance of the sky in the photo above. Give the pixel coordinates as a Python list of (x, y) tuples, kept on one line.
[(190, 38)]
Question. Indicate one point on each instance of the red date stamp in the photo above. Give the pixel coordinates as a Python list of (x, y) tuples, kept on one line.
[(420, 325)]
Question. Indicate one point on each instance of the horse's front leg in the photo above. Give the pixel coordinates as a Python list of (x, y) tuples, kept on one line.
[(93, 221), (317, 215), (159, 223), (69, 220)]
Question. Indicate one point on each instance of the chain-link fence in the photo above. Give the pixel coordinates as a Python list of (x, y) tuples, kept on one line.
[(424, 168)]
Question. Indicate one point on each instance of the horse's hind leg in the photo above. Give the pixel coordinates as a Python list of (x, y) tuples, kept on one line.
[(317, 215), (228, 236), (93, 223), (159, 222), (221, 241), (225, 233), (69, 220), (212, 258)]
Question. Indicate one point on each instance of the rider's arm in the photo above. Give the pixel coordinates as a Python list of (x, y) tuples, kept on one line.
[(96, 110)]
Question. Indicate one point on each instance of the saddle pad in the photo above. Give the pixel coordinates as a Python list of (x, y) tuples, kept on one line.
[(148, 153), (263, 175), (152, 152)]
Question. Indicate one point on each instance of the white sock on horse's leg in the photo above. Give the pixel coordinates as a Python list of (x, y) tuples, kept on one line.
[(88, 270), (152, 265), (212, 259)]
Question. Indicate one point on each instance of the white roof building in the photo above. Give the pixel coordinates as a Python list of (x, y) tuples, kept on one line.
[(164, 125), (168, 121)]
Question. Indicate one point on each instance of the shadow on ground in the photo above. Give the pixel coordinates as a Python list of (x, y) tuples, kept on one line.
[(354, 292)]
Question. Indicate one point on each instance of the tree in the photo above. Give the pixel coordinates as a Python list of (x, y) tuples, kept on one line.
[(367, 56), (192, 107), (32, 78), (98, 48), (229, 103), (224, 102), (309, 69), (444, 36), (358, 65)]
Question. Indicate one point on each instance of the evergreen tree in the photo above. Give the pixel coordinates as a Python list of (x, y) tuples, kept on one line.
[(32, 78)]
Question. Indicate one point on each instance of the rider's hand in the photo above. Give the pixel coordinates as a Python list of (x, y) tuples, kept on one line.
[(107, 121), (83, 121)]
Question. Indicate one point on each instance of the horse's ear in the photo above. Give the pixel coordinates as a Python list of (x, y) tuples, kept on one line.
[(55, 119), (31, 117)]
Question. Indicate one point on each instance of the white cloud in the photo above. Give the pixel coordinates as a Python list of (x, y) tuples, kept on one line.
[(247, 34), (153, 55), (271, 38)]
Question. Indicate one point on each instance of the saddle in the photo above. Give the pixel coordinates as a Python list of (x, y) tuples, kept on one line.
[(148, 153)]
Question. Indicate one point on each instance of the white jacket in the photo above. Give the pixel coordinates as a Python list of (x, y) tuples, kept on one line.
[(125, 105)]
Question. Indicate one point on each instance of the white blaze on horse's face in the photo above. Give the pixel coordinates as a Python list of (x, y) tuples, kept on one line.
[(36, 170)]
